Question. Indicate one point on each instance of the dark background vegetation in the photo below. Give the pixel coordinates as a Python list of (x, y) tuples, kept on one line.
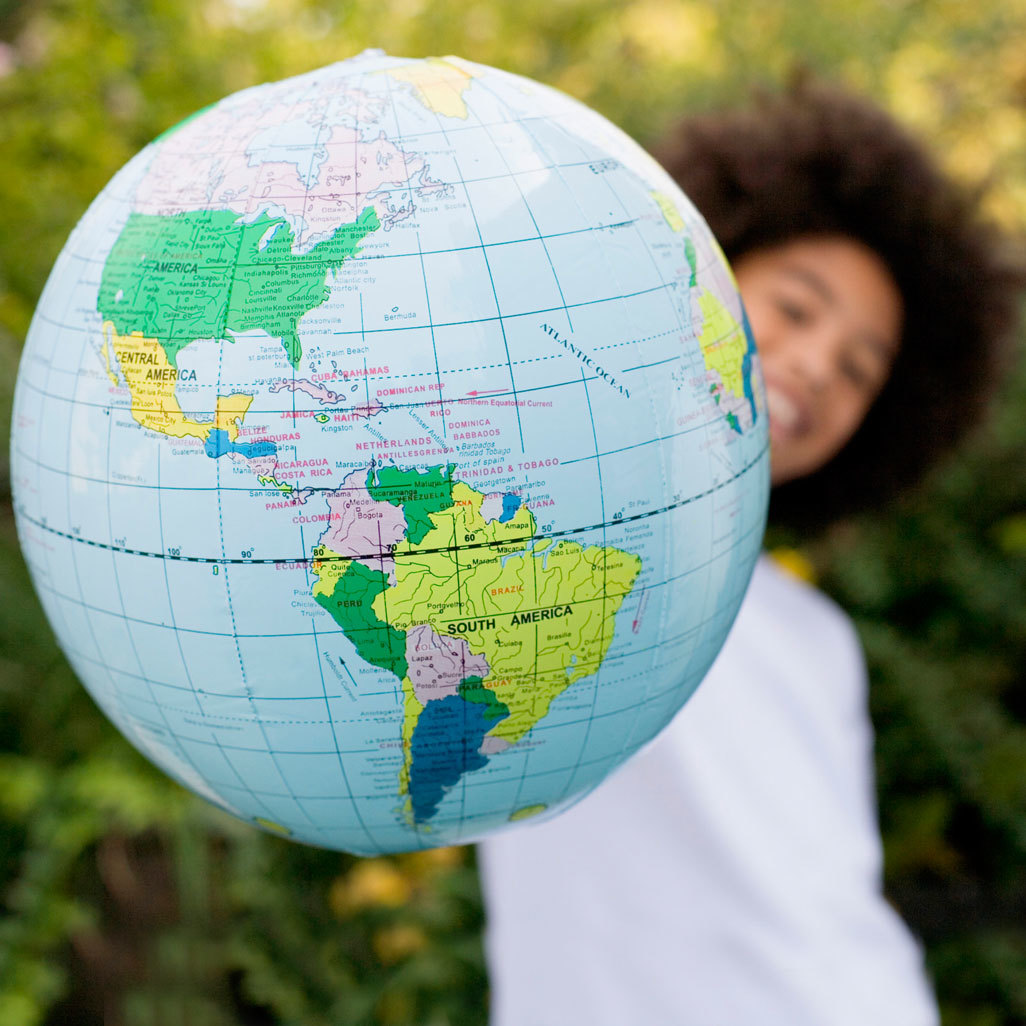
[(126, 901)]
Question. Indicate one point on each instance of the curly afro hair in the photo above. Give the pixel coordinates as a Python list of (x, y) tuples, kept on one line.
[(815, 161)]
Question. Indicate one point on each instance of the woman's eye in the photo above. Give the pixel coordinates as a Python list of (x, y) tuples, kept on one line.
[(794, 312), (858, 375)]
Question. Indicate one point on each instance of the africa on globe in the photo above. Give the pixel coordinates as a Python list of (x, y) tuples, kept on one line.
[(390, 452)]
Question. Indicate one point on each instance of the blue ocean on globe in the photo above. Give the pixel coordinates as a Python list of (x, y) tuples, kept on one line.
[(390, 452)]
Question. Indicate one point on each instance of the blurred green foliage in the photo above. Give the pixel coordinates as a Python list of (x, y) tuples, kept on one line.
[(126, 901)]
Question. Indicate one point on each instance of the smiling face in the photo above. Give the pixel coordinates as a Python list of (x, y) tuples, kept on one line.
[(827, 317)]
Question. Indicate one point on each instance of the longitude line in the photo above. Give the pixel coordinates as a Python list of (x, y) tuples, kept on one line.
[(495, 297), (598, 670), (257, 720)]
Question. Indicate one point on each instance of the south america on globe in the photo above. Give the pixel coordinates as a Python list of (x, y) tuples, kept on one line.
[(390, 452)]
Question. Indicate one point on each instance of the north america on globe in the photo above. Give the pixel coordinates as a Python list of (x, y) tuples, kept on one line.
[(390, 452)]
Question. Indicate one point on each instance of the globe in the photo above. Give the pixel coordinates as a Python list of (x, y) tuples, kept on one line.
[(390, 452)]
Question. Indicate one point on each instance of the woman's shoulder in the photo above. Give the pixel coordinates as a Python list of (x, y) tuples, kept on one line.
[(783, 607), (783, 583)]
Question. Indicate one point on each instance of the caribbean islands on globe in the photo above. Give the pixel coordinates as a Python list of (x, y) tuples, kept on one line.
[(390, 452)]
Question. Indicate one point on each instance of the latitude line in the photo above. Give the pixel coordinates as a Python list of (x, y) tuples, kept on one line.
[(666, 582), (678, 639), (441, 324), (522, 539), (412, 405), (369, 256)]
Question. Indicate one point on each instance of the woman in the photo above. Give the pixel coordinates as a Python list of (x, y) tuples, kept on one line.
[(730, 874)]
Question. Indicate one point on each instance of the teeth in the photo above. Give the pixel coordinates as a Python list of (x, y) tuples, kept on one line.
[(782, 410)]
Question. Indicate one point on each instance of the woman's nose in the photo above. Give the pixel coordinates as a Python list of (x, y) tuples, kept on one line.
[(815, 359)]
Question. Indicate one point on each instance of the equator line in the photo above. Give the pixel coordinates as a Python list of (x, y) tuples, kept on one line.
[(276, 560)]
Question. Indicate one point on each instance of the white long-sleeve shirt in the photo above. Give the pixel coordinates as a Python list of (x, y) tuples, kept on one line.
[(730, 873)]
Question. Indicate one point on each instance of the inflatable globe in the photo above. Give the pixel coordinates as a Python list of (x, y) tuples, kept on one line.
[(390, 452)]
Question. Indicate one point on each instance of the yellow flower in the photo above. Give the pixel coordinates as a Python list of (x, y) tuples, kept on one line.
[(432, 860), (394, 943), (795, 562), (374, 882)]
